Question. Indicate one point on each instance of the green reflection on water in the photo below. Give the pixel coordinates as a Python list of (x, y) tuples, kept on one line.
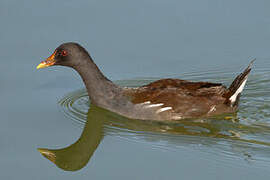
[(99, 121), (77, 155)]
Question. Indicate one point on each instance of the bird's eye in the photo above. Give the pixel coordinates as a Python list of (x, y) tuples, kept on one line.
[(64, 53)]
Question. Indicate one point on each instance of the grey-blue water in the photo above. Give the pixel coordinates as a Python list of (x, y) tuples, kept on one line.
[(133, 42)]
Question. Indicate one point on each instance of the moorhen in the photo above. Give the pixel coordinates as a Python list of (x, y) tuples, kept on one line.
[(165, 99)]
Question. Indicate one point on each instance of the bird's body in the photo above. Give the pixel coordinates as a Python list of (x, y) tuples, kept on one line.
[(165, 99), (178, 99)]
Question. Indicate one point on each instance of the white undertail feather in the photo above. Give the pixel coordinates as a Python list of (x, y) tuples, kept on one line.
[(239, 90)]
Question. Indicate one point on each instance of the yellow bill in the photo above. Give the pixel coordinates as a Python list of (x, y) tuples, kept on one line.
[(48, 62)]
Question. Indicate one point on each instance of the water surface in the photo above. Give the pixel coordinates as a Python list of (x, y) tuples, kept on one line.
[(134, 42)]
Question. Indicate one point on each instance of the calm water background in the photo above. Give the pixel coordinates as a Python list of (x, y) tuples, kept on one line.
[(129, 39)]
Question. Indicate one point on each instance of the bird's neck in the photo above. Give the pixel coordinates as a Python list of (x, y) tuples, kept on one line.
[(101, 90)]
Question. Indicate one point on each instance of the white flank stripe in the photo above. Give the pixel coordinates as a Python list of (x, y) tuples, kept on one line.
[(239, 90), (164, 109), (146, 102), (177, 117), (154, 105), (212, 109)]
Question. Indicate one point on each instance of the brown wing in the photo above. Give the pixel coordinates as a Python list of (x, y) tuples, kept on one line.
[(191, 98)]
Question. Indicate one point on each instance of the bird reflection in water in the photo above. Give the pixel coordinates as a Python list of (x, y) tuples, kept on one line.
[(77, 155), (208, 132)]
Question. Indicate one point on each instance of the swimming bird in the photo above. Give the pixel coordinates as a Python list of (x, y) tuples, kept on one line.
[(165, 99)]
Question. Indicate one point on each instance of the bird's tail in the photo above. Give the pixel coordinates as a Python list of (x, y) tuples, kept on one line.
[(237, 86)]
